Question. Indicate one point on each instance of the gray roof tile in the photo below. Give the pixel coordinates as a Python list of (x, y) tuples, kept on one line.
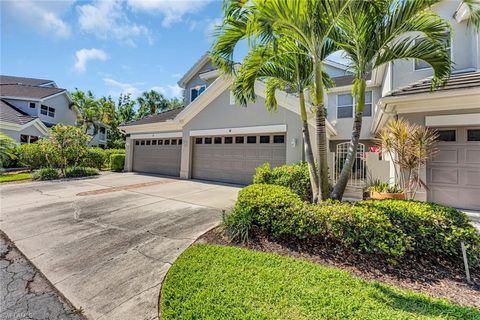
[(22, 80), (10, 113), (27, 91), (159, 117)]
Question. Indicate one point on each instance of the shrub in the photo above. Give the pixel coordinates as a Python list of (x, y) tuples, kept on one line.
[(117, 161), (296, 177), (46, 174), (108, 154), (390, 228), (75, 172), (94, 157), (31, 155), (8, 148)]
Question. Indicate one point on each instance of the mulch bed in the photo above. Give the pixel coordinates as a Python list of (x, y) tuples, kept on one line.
[(437, 279)]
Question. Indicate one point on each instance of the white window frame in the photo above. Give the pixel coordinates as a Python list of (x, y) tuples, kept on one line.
[(49, 109), (200, 87), (430, 67), (30, 105), (354, 104)]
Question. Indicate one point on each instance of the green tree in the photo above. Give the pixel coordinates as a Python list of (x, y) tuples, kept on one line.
[(308, 23), (473, 7), (7, 150), (89, 110), (373, 34), (151, 102)]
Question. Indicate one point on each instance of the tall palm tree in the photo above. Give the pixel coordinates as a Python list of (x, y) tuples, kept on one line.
[(373, 33), (151, 102), (286, 66), (308, 23), (89, 110)]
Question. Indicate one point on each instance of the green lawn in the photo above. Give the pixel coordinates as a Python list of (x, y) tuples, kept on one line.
[(15, 177), (217, 282)]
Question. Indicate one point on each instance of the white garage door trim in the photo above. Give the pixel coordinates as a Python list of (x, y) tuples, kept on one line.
[(239, 130), (154, 135)]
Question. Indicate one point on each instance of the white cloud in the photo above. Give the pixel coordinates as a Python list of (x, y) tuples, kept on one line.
[(118, 87), (107, 19), (172, 10), (84, 55), (44, 16), (175, 91)]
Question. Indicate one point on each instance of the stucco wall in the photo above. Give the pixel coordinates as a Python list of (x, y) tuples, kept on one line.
[(195, 81), (31, 131), (63, 114)]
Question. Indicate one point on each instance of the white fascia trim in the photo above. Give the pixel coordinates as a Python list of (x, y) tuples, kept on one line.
[(429, 96), (195, 68), (20, 98), (210, 75), (335, 64), (37, 123), (471, 119), (239, 130), (369, 85), (154, 135), (152, 127)]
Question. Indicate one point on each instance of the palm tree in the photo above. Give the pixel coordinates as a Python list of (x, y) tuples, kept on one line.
[(286, 67), (473, 6), (151, 102), (373, 33), (7, 149), (88, 110), (308, 23)]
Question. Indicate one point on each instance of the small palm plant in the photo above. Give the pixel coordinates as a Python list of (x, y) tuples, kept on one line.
[(7, 149), (409, 146)]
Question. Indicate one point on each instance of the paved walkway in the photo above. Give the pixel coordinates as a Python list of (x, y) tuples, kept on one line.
[(107, 242), (25, 293)]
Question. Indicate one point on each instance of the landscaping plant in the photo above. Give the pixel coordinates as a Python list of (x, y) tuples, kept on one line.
[(409, 146), (75, 172), (94, 157), (46, 174), (7, 150), (117, 162)]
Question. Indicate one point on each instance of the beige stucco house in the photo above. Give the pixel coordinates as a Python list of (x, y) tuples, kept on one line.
[(212, 138)]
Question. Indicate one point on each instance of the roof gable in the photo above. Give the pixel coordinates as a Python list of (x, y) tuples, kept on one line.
[(23, 80), (194, 69), (11, 114), (28, 91)]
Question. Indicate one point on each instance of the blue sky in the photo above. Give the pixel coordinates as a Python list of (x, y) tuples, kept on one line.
[(108, 47)]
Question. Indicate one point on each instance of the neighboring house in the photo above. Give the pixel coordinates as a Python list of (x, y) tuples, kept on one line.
[(42, 102), (212, 138)]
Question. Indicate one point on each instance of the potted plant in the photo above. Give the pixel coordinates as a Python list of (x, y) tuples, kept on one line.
[(383, 190)]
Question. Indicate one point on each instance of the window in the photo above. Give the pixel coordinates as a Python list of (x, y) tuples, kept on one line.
[(160, 142), (420, 64), (251, 139), (198, 140), (179, 141), (167, 142), (28, 139), (137, 142), (217, 140), (33, 139), (264, 139), (47, 111), (239, 140), (208, 140), (473, 135), (154, 142), (103, 133), (196, 91), (228, 140), (148, 142), (344, 106), (23, 138), (32, 105), (142, 143), (447, 135), (367, 109), (174, 142), (279, 139)]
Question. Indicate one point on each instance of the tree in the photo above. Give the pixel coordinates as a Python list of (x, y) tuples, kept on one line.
[(372, 35), (473, 7), (308, 23), (7, 150), (151, 102), (174, 103), (286, 67), (89, 113)]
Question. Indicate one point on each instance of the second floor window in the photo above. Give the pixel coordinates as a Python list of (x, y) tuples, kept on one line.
[(346, 105), (32, 105), (196, 91), (47, 111)]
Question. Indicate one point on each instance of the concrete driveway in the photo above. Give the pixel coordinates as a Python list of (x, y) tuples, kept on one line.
[(107, 242)]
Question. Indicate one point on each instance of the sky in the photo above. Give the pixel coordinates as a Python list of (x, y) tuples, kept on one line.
[(109, 47)]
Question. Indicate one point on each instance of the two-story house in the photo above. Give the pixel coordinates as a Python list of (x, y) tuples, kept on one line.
[(29, 106), (212, 138)]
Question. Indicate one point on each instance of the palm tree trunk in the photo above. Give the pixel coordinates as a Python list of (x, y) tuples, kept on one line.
[(321, 132), (342, 181), (308, 148)]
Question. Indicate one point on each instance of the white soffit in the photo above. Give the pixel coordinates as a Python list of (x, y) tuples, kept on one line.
[(240, 130), (156, 135), (470, 119)]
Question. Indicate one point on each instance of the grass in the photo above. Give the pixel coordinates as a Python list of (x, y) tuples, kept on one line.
[(15, 177), (218, 282)]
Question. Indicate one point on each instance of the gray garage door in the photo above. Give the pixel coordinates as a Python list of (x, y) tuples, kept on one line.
[(453, 175), (160, 156), (233, 159)]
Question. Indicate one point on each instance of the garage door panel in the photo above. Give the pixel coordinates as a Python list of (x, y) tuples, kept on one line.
[(234, 162), (453, 176), (158, 159)]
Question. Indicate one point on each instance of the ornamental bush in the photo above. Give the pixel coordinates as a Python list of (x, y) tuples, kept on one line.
[(76, 172), (31, 155), (46, 174), (295, 177), (391, 229), (108, 154), (117, 162), (94, 157)]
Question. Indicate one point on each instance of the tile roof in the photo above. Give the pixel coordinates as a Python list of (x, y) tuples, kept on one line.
[(465, 80), (27, 91), (159, 117), (21, 80), (10, 113)]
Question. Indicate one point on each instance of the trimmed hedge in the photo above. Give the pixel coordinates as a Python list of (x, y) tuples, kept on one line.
[(392, 229), (296, 177), (108, 154), (94, 157), (76, 172), (46, 174), (117, 162)]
